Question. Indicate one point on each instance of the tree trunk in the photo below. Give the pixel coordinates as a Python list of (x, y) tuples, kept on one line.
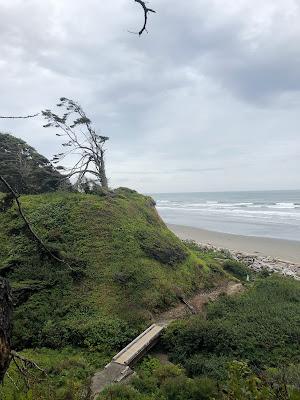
[(103, 179), (5, 326), (101, 171)]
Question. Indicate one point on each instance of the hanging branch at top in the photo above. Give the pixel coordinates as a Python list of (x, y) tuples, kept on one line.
[(146, 11), (81, 141), (25, 117)]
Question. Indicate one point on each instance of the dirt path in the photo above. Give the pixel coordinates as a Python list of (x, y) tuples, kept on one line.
[(199, 301), (118, 370)]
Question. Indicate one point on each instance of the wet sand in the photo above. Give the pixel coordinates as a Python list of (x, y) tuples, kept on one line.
[(287, 250)]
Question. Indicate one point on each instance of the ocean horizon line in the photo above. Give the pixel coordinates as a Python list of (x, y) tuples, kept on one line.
[(226, 191)]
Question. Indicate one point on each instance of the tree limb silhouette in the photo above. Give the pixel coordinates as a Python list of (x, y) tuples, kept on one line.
[(23, 216), (146, 11), (24, 117)]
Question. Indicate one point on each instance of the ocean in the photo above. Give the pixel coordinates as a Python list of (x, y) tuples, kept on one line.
[(273, 214)]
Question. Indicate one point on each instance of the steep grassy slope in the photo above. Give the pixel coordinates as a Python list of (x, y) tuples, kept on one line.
[(125, 267)]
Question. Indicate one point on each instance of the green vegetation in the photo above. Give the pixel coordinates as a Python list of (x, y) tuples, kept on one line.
[(66, 375), (24, 168), (123, 266), (163, 382), (261, 326), (237, 269), (247, 348), (156, 381)]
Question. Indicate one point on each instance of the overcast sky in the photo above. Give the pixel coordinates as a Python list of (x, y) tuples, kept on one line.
[(208, 100)]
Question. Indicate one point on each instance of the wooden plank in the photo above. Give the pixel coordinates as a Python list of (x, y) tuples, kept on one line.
[(138, 345)]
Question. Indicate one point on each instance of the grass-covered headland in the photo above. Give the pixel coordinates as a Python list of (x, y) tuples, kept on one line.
[(123, 267)]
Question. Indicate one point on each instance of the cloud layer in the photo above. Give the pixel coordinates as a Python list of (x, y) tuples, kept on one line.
[(208, 100)]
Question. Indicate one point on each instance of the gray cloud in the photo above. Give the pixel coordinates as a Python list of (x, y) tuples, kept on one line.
[(211, 92), (177, 171)]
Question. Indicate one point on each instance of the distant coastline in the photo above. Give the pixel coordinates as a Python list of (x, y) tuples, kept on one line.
[(269, 214), (287, 250)]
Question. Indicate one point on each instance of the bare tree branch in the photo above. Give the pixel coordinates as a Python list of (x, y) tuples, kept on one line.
[(13, 382), (26, 361), (146, 11), (25, 117), (23, 366), (34, 235)]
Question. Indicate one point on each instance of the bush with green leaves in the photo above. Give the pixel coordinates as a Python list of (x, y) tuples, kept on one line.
[(237, 269), (170, 382), (66, 375), (261, 326), (243, 384), (163, 382)]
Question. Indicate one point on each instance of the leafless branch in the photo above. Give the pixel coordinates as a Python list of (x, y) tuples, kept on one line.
[(24, 117), (13, 382), (21, 372), (23, 365), (146, 11), (23, 216), (26, 362)]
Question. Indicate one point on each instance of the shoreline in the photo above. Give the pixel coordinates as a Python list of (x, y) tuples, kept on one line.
[(287, 251)]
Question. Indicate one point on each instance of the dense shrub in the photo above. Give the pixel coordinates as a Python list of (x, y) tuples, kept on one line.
[(262, 326), (214, 366), (121, 392), (242, 384), (67, 375), (184, 388), (163, 382), (165, 249), (237, 269), (94, 332), (110, 275)]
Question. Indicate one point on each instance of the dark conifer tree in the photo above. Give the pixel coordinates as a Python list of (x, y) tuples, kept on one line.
[(25, 169)]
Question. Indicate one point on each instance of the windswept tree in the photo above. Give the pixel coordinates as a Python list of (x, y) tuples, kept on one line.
[(81, 141)]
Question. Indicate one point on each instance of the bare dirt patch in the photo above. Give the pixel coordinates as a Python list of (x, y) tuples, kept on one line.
[(199, 301)]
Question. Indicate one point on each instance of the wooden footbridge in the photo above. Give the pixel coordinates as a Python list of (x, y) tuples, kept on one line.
[(120, 367)]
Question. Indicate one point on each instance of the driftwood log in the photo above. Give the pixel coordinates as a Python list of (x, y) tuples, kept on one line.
[(5, 326)]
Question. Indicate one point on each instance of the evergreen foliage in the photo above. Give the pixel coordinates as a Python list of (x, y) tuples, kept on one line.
[(25, 169), (262, 326)]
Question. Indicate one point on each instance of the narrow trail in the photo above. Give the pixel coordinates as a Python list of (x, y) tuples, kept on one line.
[(199, 301), (119, 369)]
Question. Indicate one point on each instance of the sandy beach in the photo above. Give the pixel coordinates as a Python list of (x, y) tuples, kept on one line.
[(287, 250)]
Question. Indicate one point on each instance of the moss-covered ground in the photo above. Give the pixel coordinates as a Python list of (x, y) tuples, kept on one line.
[(122, 268)]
